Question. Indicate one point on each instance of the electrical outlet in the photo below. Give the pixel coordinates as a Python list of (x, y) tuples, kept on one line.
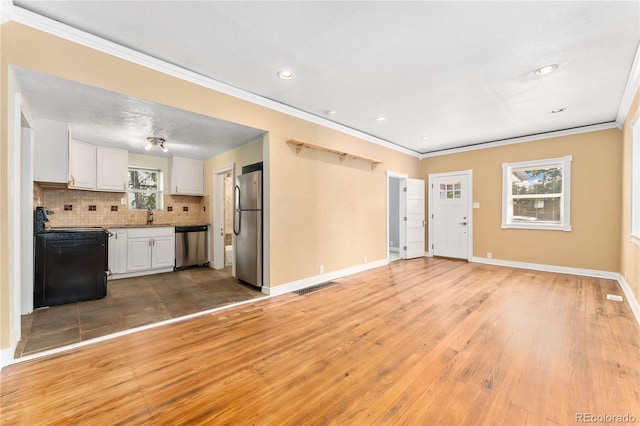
[(322, 269), (489, 254), (364, 259)]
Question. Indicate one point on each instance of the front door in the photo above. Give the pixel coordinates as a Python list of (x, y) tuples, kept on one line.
[(450, 214)]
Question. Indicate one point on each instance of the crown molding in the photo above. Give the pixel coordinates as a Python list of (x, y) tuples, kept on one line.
[(38, 22), (531, 138), (6, 8), (630, 90)]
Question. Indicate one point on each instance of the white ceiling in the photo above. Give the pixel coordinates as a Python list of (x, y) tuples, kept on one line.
[(461, 73)]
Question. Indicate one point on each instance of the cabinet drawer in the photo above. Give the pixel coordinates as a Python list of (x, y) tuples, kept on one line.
[(151, 232)]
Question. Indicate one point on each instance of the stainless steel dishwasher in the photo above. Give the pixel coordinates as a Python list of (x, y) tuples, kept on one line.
[(191, 246)]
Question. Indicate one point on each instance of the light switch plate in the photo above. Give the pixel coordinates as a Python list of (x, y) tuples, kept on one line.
[(476, 205)]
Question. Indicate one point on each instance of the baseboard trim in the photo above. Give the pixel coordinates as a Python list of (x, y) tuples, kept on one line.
[(6, 357), (633, 302), (548, 268), (318, 279)]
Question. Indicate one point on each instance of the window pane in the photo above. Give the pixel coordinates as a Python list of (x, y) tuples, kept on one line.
[(142, 201), (143, 179), (536, 209), (536, 181)]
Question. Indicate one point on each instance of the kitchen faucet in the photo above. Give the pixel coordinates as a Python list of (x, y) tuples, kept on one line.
[(149, 216)]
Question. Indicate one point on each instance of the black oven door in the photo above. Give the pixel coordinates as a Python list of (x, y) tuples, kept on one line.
[(70, 267)]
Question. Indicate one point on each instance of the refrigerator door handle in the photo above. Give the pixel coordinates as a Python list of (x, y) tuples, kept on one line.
[(238, 212)]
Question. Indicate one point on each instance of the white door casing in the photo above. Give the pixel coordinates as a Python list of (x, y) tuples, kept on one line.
[(450, 214), (402, 178), (415, 219)]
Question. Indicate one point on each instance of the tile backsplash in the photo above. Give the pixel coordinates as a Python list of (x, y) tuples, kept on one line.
[(90, 208)]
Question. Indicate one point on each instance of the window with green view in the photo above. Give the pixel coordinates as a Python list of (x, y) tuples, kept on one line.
[(145, 189)]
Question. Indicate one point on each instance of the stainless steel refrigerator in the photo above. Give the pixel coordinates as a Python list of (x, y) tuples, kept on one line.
[(247, 226)]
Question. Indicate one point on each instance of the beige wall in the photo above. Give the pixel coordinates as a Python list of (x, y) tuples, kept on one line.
[(630, 251), (593, 242)]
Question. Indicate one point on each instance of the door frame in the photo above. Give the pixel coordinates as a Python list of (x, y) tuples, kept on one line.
[(218, 217), (469, 174), (403, 206)]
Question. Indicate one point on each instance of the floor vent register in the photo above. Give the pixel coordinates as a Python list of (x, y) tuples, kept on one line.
[(314, 288)]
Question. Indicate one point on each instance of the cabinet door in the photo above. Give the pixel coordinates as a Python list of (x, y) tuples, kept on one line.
[(138, 254), (164, 250), (118, 251), (187, 176), (112, 169), (50, 151), (82, 165)]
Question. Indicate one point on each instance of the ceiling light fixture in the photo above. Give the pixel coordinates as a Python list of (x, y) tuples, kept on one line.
[(425, 138), (155, 142), (285, 74), (546, 69), (381, 118), (557, 110), (330, 113)]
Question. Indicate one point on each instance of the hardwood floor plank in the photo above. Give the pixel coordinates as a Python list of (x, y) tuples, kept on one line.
[(427, 341)]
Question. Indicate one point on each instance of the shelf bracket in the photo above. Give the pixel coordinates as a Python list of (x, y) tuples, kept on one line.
[(342, 157), (299, 148)]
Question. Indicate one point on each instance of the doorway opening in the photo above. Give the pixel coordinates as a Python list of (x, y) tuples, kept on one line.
[(223, 204), (394, 218)]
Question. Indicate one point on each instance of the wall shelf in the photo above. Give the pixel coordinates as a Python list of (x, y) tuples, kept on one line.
[(341, 154)]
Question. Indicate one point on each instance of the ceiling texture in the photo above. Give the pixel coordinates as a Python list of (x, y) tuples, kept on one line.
[(442, 75)]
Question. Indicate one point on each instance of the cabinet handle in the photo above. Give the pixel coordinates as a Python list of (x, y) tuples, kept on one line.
[(124, 186), (153, 242), (176, 188)]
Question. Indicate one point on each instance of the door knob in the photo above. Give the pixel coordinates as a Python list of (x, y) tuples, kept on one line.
[(463, 223)]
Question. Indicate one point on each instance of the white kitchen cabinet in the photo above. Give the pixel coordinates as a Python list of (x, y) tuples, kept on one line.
[(97, 168), (163, 251), (82, 165), (187, 176), (150, 249), (112, 169), (118, 251), (50, 151)]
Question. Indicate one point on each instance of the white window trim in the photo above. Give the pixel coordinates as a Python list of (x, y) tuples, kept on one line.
[(566, 195), (635, 183)]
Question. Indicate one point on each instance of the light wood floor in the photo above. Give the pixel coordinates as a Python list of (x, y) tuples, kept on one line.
[(427, 341)]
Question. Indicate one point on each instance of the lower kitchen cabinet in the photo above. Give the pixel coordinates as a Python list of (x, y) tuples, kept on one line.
[(118, 251), (139, 251)]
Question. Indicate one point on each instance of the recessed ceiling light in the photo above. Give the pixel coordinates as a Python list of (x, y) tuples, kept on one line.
[(285, 74), (381, 118), (425, 138), (557, 110), (546, 69), (330, 113)]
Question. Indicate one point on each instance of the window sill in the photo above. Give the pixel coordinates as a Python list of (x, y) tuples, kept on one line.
[(539, 226), (635, 240)]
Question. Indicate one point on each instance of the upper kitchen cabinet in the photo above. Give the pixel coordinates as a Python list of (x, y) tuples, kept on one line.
[(97, 168), (112, 171), (187, 176), (82, 165), (50, 151)]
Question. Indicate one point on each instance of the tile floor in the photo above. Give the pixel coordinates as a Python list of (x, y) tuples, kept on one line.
[(130, 303)]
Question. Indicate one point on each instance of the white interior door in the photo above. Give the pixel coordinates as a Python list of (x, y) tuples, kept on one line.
[(450, 215), (414, 224)]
